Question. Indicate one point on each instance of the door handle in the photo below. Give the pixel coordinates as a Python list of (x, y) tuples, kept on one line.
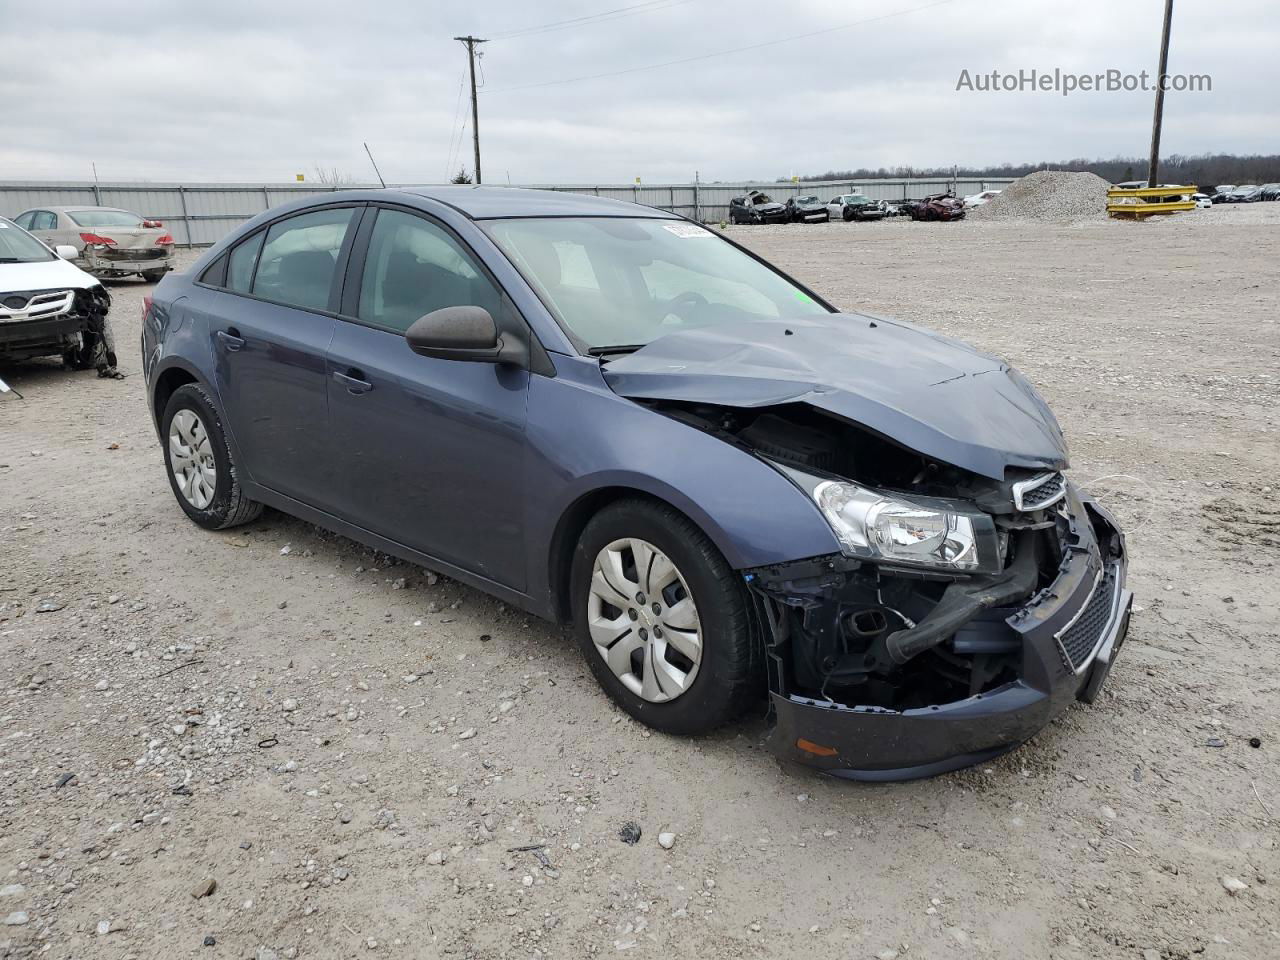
[(353, 382), (231, 339)]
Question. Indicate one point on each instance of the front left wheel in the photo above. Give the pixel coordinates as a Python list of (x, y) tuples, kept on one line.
[(662, 619), (198, 460)]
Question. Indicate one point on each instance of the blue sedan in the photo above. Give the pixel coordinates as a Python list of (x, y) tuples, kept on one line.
[(612, 416)]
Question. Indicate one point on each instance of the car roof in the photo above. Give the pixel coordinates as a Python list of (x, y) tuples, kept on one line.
[(78, 207), (491, 203)]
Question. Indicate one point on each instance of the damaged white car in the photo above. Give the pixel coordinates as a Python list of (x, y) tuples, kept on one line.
[(49, 307)]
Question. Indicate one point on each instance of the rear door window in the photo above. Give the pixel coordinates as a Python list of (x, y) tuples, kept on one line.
[(243, 259), (43, 220), (299, 258)]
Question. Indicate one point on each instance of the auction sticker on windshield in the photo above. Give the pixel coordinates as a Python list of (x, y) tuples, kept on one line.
[(687, 230)]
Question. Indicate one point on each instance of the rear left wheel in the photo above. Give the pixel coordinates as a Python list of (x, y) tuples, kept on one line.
[(661, 619), (153, 276), (201, 472)]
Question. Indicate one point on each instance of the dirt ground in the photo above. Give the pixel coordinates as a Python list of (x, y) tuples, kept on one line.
[(351, 748)]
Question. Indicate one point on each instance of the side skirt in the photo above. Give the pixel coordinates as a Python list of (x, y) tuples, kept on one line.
[(543, 610)]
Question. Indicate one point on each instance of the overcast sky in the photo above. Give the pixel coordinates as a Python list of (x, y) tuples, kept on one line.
[(262, 90)]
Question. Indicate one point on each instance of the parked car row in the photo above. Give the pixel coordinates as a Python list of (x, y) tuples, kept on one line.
[(1245, 193), (108, 242), (757, 207)]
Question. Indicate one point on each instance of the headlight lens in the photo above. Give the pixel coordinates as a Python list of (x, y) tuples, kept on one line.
[(876, 525)]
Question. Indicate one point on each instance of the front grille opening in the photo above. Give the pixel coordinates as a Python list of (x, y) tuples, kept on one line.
[(1079, 640), (1042, 494)]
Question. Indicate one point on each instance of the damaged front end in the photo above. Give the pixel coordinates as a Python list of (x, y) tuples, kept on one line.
[(908, 664), (69, 322)]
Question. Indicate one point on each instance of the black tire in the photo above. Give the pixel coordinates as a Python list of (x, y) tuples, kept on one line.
[(80, 356), (729, 676), (847, 214), (153, 276), (229, 507)]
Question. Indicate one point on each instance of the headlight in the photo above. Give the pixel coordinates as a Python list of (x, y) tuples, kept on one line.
[(881, 527)]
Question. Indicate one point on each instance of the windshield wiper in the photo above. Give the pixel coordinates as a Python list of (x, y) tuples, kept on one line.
[(620, 348)]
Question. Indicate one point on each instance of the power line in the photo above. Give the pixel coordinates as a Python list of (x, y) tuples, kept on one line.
[(590, 19), (724, 53)]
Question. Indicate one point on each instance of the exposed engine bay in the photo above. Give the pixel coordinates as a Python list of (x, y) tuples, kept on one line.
[(844, 630)]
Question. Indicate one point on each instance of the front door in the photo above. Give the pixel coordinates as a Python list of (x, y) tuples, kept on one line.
[(270, 327), (432, 451)]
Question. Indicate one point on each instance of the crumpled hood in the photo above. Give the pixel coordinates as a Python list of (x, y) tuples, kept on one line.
[(925, 391)]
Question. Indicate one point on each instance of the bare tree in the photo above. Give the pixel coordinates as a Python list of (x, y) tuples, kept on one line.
[(333, 177), (461, 176)]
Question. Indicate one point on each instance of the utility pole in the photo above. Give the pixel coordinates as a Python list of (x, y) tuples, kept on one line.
[(1154, 169), (471, 43)]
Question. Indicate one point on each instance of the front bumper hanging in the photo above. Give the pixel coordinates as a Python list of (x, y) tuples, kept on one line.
[(1064, 640)]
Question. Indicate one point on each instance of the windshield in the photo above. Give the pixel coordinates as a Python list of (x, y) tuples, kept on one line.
[(616, 282), (105, 218), (18, 246), (807, 200), (857, 199)]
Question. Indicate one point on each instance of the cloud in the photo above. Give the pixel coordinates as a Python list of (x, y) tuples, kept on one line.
[(253, 91)]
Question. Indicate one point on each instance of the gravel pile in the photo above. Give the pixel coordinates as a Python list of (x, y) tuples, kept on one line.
[(1047, 196)]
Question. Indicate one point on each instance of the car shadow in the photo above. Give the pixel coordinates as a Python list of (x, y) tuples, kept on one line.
[(24, 375)]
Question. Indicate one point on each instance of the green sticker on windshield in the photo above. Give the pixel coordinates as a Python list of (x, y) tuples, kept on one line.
[(802, 296)]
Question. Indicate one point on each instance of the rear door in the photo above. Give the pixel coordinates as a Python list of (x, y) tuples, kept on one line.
[(44, 224), (270, 329), (431, 451)]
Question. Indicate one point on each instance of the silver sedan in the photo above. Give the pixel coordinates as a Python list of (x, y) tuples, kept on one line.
[(110, 242)]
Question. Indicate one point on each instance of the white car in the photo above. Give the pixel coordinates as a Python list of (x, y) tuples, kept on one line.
[(1203, 200), (978, 199), (49, 307)]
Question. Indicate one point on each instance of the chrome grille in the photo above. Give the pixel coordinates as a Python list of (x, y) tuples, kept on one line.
[(1080, 638), (1039, 492), (34, 305)]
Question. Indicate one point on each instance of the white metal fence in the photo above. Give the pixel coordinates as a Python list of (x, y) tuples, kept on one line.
[(199, 214)]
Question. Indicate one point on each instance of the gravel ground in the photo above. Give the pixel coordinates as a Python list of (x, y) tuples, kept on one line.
[(277, 743)]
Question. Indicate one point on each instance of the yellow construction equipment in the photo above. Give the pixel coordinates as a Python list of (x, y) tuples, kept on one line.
[(1145, 201)]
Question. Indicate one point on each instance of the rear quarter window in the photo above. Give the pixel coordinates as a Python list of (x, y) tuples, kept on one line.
[(216, 273)]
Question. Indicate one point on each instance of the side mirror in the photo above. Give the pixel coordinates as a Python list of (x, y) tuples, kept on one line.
[(66, 251), (456, 333)]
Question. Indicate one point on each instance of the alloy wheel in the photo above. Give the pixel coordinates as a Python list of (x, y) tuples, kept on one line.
[(643, 620), (191, 459)]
